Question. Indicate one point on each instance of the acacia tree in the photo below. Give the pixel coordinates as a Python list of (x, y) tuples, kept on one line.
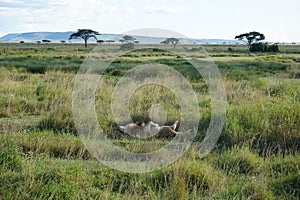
[(172, 41), (46, 41), (109, 41), (85, 34), (100, 41), (250, 38), (128, 41)]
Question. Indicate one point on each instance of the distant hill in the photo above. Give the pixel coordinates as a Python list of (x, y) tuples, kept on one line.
[(36, 36), (58, 36)]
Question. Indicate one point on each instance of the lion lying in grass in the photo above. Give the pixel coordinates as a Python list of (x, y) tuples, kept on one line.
[(150, 129)]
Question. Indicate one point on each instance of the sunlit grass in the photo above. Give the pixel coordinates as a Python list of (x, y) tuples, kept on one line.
[(256, 157)]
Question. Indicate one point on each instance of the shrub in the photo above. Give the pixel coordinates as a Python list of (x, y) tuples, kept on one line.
[(263, 47), (273, 48), (258, 47)]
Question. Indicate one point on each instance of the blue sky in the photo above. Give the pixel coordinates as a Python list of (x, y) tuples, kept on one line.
[(279, 20)]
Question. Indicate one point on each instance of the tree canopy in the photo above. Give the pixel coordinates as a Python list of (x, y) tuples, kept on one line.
[(85, 34), (46, 41), (100, 41), (128, 38), (109, 41), (250, 38), (128, 41), (172, 41)]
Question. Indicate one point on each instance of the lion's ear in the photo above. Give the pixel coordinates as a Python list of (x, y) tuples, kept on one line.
[(140, 123)]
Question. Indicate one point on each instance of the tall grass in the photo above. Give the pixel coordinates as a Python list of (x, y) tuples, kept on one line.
[(46, 165), (257, 156)]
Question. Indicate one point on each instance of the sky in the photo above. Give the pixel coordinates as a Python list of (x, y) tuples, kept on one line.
[(278, 20)]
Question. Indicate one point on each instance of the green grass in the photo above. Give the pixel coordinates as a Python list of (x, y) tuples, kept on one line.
[(256, 157), (47, 165)]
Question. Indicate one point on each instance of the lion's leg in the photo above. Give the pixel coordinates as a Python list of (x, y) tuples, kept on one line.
[(166, 132)]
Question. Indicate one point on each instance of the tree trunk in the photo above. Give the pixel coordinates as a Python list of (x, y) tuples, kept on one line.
[(174, 45), (85, 43)]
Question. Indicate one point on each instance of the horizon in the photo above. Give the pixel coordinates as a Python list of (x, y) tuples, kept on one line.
[(141, 35), (200, 20)]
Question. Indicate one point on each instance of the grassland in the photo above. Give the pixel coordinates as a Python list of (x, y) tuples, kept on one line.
[(256, 157)]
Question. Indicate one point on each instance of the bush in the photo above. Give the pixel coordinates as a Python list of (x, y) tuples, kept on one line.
[(273, 48), (258, 47), (263, 47)]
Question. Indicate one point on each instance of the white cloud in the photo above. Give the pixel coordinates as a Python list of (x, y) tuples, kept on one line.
[(59, 15), (3, 9), (9, 11), (164, 9), (213, 19), (129, 10), (10, 1)]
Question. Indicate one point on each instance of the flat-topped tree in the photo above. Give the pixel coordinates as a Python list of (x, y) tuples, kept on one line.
[(172, 41), (100, 41), (46, 41), (128, 38), (109, 41), (250, 38), (85, 34), (128, 42)]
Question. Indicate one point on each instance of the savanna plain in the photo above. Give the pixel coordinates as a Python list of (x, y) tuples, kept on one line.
[(256, 157)]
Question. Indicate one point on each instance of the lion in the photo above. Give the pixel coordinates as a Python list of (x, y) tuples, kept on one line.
[(150, 129)]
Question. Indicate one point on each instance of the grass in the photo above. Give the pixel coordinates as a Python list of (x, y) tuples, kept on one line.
[(256, 157), (49, 167)]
